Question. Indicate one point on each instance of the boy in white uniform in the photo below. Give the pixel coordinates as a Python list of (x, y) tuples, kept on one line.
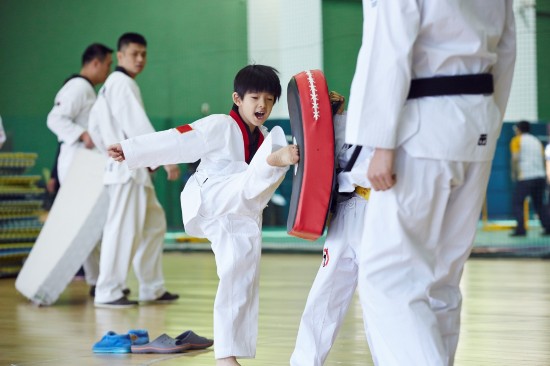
[(429, 95), (336, 280), (68, 119), (241, 166), (136, 224)]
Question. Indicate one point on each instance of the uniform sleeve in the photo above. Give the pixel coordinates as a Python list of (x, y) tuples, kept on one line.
[(184, 144), (383, 73), (128, 111), (61, 119), (503, 70)]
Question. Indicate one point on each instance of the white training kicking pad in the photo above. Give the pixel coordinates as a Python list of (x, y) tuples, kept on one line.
[(73, 228)]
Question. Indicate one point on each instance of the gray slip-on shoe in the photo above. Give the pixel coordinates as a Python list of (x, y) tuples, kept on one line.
[(194, 340), (162, 344)]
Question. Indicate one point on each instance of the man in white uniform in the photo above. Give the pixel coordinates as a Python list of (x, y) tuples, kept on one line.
[(136, 224), (241, 167), (336, 281), (434, 140), (68, 119)]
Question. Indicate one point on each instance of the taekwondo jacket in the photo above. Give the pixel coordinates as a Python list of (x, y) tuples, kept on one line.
[(119, 114), (217, 140), (408, 39), (68, 118)]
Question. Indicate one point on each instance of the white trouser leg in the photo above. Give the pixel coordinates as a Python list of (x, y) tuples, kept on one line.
[(91, 266), (333, 287), (236, 242), (457, 236), (147, 262), (121, 234), (405, 253)]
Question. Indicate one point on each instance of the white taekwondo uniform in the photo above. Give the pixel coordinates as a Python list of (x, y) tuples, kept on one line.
[(336, 280), (68, 119), (419, 233), (223, 201), (136, 224)]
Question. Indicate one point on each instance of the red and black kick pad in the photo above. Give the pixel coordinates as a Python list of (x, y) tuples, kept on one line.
[(313, 131)]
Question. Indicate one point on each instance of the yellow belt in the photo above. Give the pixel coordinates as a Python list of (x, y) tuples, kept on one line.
[(363, 192)]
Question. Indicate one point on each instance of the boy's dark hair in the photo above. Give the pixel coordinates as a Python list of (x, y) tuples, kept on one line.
[(523, 126), (257, 78), (128, 38), (95, 50)]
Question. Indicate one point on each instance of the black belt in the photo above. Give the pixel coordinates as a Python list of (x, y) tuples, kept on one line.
[(451, 85)]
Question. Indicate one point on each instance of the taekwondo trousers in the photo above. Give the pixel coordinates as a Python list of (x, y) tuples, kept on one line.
[(333, 287), (234, 227), (416, 239), (133, 235)]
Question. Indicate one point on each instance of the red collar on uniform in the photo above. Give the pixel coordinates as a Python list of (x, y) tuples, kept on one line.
[(252, 140)]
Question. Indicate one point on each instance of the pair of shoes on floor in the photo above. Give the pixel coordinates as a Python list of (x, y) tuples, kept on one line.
[(124, 302), (125, 292), (518, 234), (121, 303), (121, 343), (186, 341)]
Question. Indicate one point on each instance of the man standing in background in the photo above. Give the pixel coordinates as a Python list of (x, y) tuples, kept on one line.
[(528, 171), (68, 119), (133, 234)]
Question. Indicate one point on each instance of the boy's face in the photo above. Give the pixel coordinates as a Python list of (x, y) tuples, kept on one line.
[(132, 58), (254, 107)]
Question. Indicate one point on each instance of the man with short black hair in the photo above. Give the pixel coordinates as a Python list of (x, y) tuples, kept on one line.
[(136, 223), (68, 119)]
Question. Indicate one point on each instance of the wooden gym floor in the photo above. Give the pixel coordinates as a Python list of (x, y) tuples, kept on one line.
[(506, 316)]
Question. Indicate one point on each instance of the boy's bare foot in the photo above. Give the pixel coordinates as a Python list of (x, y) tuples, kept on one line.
[(285, 156), (228, 361)]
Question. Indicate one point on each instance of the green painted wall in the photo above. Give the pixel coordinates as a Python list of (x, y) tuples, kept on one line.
[(342, 33)]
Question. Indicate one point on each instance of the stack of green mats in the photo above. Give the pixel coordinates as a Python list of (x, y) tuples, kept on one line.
[(20, 207)]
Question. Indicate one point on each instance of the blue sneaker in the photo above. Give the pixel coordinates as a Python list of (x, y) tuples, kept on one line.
[(139, 336), (113, 343)]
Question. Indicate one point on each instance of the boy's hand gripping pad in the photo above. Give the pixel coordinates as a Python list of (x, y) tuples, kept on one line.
[(313, 131)]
